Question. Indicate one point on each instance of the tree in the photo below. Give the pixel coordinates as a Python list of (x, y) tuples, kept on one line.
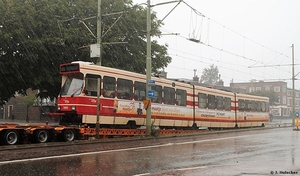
[(37, 36), (273, 97), (28, 101), (210, 75)]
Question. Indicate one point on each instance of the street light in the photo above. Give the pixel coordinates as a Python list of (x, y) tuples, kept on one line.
[(293, 83)]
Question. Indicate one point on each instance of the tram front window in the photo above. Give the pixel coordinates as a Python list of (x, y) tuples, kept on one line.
[(73, 85)]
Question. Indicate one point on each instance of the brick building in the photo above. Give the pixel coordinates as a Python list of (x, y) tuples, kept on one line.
[(16, 110)]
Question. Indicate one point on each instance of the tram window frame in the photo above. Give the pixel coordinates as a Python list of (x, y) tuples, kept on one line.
[(139, 91), (258, 106), (219, 103), (91, 84), (73, 85), (247, 105), (241, 105), (211, 101), (263, 106), (180, 97), (157, 94), (109, 86), (169, 95), (124, 88), (227, 104), (253, 106), (202, 100)]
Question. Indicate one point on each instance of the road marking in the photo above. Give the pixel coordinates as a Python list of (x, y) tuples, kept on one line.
[(142, 174), (126, 149), (192, 168)]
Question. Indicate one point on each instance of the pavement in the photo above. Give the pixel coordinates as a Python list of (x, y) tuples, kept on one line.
[(280, 122)]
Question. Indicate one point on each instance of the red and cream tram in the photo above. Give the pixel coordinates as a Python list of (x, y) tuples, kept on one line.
[(179, 105)]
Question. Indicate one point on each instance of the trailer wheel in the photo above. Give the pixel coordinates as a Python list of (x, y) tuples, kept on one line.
[(11, 137), (69, 135), (41, 136)]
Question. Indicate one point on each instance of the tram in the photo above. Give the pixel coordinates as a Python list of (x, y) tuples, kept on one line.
[(175, 105)]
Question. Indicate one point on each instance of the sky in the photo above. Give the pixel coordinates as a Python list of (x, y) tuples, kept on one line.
[(246, 39)]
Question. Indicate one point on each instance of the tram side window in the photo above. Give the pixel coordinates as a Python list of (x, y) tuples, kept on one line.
[(180, 97), (254, 106), (247, 105), (124, 89), (258, 106), (139, 91), (91, 83), (169, 95), (263, 106), (220, 105), (241, 105), (227, 102), (211, 101), (109, 86), (202, 101), (157, 94)]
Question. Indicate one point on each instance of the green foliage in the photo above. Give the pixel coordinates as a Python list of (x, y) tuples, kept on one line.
[(29, 100), (210, 75), (37, 36), (273, 97)]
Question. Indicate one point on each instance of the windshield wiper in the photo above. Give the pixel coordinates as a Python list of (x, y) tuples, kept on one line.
[(80, 88)]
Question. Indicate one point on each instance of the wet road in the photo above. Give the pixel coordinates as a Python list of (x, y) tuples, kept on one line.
[(255, 152)]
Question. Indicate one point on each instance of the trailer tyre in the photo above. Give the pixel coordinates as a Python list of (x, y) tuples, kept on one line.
[(11, 137), (68, 135), (41, 136)]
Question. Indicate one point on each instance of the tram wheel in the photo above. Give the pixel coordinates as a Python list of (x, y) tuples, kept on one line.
[(41, 136), (68, 135), (11, 137)]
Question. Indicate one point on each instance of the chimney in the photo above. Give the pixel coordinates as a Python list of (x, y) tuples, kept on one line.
[(162, 74), (195, 78)]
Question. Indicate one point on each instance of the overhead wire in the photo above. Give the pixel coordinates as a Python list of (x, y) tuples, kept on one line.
[(207, 43), (243, 56), (201, 58)]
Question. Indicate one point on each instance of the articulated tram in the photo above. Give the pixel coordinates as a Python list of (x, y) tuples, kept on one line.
[(179, 105)]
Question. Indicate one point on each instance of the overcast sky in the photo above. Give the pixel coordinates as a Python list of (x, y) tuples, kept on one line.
[(246, 39)]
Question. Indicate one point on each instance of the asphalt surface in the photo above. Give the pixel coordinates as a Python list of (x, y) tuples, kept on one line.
[(260, 151)]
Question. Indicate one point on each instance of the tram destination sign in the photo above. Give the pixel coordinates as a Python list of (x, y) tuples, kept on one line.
[(69, 68)]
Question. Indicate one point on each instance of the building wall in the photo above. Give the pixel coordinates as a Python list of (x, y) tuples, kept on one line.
[(283, 107), (15, 109)]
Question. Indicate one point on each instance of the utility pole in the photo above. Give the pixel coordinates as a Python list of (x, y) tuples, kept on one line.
[(148, 64), (293, 84), (148, 70), (98, 109), (293, 113), (99, 31), (98, 63)]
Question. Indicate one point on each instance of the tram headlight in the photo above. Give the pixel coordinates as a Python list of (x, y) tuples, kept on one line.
[(58, 108), (73, 108)]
